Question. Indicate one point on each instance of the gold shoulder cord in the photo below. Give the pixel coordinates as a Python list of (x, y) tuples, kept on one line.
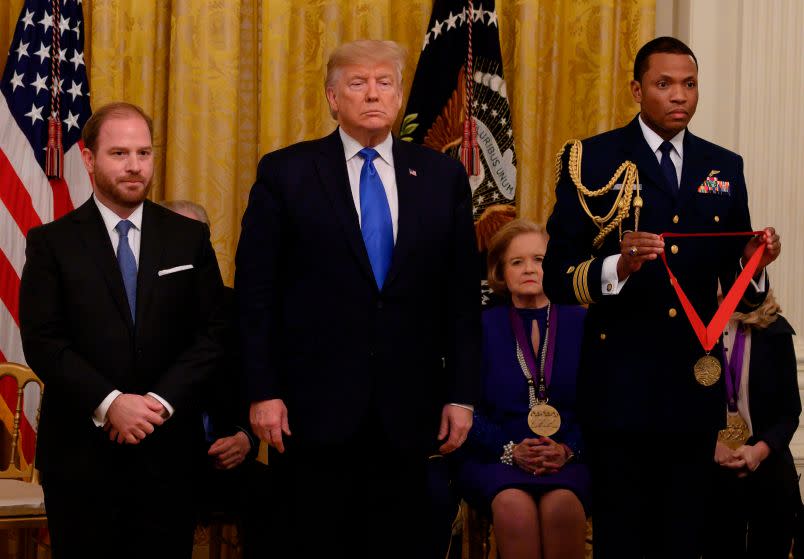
[(622, 203)]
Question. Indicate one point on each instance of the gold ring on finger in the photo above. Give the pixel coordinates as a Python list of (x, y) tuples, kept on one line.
[(633, 251)]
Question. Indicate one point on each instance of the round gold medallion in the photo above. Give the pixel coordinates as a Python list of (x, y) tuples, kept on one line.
[(544, 420), (707, 370), (736, 432)]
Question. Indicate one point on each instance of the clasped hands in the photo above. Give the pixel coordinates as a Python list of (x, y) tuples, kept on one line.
[(132, 417), (540, 455), (744, 460)]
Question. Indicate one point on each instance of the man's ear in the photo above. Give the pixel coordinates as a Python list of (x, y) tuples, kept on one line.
[(89, 160), (332, 99), (636, 91)]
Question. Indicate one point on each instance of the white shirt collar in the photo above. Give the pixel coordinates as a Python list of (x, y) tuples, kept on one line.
[(654, 140), (111, 219), (351, 147)]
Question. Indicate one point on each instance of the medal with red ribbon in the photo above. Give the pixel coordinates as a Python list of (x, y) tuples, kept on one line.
[(707, 369)]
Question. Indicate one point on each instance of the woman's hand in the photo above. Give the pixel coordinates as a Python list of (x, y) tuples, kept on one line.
[(540, 456), (726, 457), (753, 454)]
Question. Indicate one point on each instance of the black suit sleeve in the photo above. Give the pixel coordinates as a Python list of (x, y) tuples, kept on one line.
[(183, 381), (44, 329), (256, 285), (463, 359), (739, 220)]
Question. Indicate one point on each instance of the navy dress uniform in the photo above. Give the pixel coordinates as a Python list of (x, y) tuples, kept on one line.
[(650, 427)]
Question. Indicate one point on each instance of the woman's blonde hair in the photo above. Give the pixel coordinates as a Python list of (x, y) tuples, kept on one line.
[(499, 244), (762, 316)]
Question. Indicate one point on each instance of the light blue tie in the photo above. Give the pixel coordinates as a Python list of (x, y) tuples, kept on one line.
[(128, 266), (375, 218), (668, 169)]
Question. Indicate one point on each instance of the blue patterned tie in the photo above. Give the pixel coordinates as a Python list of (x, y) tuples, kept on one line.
[(128, 266), (668, 169), (375, 218)]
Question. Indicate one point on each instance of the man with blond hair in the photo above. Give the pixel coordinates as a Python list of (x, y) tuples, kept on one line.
[(357, 287)]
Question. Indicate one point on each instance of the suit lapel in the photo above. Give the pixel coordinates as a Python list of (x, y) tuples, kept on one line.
[(99, 247), (406, 186), (638, 151), (695, 168), (152, 239), (331, 166)]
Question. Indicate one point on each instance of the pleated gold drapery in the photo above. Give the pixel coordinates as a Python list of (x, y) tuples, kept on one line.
[(227, 80)]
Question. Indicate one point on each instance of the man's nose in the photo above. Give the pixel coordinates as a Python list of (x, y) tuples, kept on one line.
[(133, 163), (678, 94), (372, 92)]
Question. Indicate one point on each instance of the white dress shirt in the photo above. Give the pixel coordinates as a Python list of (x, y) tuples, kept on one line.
[(110, 221)]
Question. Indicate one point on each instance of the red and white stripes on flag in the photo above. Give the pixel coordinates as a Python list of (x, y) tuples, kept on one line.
[(45, 74)]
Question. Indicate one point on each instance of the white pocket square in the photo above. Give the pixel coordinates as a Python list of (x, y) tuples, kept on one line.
[(175, 269)]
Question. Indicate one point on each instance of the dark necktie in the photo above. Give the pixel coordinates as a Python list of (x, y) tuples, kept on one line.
[(375, 218), (128, 265), (668, 169)]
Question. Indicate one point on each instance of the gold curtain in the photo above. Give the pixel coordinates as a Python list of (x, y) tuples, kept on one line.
[(227, 80)]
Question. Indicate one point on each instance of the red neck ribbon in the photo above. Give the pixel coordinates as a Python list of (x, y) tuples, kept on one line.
[(708, 335)]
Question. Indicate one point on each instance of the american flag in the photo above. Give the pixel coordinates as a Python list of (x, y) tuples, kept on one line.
[(47, 50)]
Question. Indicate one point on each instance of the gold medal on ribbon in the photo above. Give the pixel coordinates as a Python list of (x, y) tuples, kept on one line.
[(544, 420), (736, 432), (707, 370)]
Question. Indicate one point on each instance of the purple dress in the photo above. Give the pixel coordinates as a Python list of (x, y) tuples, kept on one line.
[(501, 413)]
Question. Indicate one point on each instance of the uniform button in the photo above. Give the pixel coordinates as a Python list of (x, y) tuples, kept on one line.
[(717, 219), (672, 312), (602, 335), (675, 219), (674, 249), (609, 287)]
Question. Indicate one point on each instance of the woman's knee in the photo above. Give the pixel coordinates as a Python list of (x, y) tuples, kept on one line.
[(514, 509), (561, 508)]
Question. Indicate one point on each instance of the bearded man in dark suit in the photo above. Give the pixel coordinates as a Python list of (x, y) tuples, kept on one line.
[(121, 317), (357, 287)]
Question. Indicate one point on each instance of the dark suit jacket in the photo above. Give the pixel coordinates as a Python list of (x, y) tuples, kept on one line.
[(78, 336), (639, 348), (773, 398), (316, 330)]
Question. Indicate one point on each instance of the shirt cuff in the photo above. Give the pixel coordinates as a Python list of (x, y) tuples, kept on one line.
[(464, 406), (759, 284), (162, 401), (247, 434), (610, 283), (99, 417)]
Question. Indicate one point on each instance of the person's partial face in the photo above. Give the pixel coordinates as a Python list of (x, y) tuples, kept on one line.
[(366, 100), (667, 93), (523, 266), (122, 165)]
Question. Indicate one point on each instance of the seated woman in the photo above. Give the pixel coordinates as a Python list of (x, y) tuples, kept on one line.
[(755, 486), (521, 460)]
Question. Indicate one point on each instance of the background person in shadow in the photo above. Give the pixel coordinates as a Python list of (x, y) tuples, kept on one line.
[(755, 492), (234, 486)]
